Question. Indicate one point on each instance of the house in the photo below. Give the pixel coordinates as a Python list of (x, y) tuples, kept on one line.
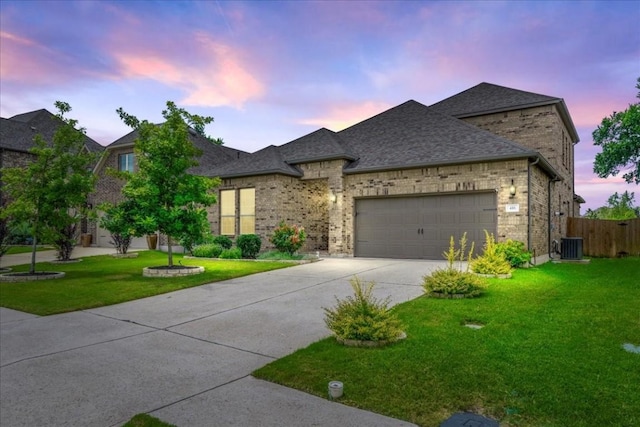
[(401, 183), (17, 135), (119, 156)]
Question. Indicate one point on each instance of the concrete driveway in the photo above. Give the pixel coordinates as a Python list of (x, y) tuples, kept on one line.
[(186, 357)]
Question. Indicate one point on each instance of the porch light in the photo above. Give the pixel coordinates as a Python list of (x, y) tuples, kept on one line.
[(512, 189), (332, 197)]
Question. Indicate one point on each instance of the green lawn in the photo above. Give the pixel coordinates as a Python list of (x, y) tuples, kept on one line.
[(550, 353), (104, 280)]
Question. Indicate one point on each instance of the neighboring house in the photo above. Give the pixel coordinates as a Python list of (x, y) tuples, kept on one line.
[(119, 156), (401, 183), (17, 135)]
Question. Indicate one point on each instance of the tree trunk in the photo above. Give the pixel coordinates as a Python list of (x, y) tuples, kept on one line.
[(34, 247), (169, 251)]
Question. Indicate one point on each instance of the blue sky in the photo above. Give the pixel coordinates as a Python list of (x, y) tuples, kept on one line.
[(270, 72)]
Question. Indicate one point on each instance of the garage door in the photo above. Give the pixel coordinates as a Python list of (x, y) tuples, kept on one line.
[(420, 227)]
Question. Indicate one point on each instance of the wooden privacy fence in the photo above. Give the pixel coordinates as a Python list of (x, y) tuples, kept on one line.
[(606, 237)]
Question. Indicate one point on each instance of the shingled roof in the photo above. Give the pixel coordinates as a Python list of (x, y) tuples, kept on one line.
[(17, 132), (267, 161), (320, 145), (213, 155), (413, 135), (487, 98)]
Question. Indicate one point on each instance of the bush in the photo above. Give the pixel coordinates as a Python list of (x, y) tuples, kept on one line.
[(288, 238), (363, 317), (207, 250), (452, 281), (514, 252), (249, 244), (223, 241), (491, 261), (234, 253)]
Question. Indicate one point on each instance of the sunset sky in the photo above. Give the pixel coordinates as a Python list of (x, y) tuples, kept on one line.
[(270, 72)]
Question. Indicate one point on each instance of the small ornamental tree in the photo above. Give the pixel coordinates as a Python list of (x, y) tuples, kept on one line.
[(50, 193), (288, 238), (167, 193)]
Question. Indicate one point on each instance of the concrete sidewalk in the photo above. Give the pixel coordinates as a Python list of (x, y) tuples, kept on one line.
[(186, 357)]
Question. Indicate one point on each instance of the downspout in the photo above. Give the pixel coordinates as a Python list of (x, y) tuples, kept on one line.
[(555, 179), (529, 215)]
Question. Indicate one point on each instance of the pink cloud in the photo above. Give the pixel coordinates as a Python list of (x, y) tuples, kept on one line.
[(218, 77), (23, 60), (343, 116)]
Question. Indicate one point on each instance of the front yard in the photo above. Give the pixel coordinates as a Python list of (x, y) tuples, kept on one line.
[(104, 280), (550, 353)]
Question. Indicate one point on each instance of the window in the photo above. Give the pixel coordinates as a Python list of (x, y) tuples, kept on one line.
[(228, 212), (245, 216), (125, 162), (247, 211)]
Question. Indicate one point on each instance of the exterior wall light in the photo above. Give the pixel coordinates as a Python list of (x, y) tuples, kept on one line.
[(332, 197), (512, 189)]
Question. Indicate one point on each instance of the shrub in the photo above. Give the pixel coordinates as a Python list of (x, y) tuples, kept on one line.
[(514, 252), (288, 238), (491, 261), (234, 253), (249, 244), (223, 241), (363, 317), (452, 281), (207, 250)]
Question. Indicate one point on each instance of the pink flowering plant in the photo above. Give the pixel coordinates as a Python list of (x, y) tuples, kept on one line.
[(288, 238)]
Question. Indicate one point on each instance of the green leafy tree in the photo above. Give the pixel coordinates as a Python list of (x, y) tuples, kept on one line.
[(619, 206), (50, 193), (619, 136), (169, 197)]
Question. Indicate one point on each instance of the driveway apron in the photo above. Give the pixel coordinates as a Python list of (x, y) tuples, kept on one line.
[(186, 356)]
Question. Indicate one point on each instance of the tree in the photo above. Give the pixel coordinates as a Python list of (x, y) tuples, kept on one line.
[(166, 194), (50, 194), (619, 206), (619, 136)]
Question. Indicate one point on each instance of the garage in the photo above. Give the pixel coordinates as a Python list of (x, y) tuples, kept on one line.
[(420, 227)]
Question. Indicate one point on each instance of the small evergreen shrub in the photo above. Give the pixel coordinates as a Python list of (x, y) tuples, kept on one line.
[(223, 241), (363, 317), (207, 250), (234, 253), (249, 244), (492, 261), (288, 238), (515, 253), (451, 281)]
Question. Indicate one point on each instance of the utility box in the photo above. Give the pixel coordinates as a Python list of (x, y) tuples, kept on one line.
[(571, 248)]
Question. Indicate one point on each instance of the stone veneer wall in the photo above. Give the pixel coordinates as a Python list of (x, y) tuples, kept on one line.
[(108, 188), (283, 198), (541, 129)]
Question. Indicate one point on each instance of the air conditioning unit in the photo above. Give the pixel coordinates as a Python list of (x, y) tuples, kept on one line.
[(571, 248)]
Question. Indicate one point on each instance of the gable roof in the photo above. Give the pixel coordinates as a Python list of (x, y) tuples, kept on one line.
[(17, 132), (413, 135), (487, 98)]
